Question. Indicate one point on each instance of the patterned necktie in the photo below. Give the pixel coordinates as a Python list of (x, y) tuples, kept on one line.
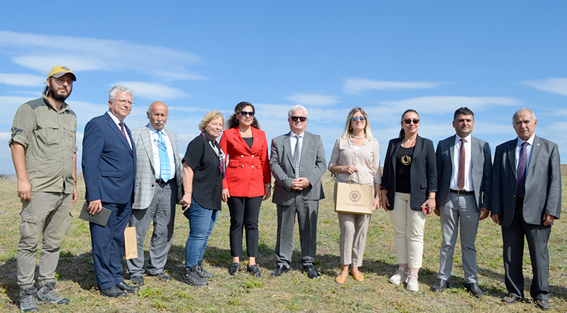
[(296, 153), (164, 168), (521, 171), (461, 181), (124, 133)]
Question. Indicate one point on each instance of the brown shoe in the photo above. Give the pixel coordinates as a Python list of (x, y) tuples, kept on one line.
[(510, 299), (543, 304)]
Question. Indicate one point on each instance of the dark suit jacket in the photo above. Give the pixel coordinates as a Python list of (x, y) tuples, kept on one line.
[(109, 168), (423, 172), (543, 182), (481, 170), (313, 165), (248, 169)]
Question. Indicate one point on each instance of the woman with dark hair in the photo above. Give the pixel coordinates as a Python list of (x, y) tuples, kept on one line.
[(203, 171), (247, 183), (409, 185), (356, 151)]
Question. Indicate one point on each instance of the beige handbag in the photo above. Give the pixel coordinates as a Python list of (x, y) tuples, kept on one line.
[(354, 198), (130, 244)]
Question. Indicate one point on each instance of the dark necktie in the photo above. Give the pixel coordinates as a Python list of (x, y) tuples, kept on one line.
[(521, 171), (461, 181), (124, 133), (296, 153)]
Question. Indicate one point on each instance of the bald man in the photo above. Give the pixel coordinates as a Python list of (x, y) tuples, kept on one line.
[(157, 190)]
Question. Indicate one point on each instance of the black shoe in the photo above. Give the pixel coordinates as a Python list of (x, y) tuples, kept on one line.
[(510, 299), (440, 285), (129, 289), (113, 292), (162, 276), (310, 270), (234, 268), (192, 278), (280, 269), (201, 271), (254, 270), (474, 289), (138, 280), (543, 304)]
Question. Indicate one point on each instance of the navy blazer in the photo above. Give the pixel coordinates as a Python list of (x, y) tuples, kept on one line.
[(423, 172), (109, 165), (543, 182)]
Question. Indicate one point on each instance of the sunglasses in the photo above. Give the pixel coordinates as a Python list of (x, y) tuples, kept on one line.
[(361, 118), (298, 118), (246, 113), (408, 121)]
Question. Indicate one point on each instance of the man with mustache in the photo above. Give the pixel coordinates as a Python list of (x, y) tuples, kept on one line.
[(44, 154)]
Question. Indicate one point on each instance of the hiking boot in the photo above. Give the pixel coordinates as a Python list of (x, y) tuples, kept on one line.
[(46, 294), (27, 300), (192, 278), (201, 271)]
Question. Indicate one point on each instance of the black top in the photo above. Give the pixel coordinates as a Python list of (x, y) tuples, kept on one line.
[(403, 171), (249, 141), (207, 171)]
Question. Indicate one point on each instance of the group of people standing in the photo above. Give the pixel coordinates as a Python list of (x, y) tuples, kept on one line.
[(139, 177)]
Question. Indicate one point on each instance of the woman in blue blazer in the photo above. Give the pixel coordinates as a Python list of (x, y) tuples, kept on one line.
[(409, 184)]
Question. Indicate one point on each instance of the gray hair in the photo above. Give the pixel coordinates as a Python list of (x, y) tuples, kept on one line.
[(295, 108), (523, 110), (115, 89)]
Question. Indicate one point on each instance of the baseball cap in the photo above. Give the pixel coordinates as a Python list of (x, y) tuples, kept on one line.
[(59, 71)]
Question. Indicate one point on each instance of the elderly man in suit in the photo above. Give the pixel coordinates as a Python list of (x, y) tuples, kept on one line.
[(464, 171), (526, 199), (297, 162), (109, 169), (157, 190)]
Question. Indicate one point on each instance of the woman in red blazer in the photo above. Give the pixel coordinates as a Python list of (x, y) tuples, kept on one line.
[(247, 181)]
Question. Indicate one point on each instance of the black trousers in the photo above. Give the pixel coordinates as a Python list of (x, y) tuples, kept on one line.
[(244, 214), (513, 239)]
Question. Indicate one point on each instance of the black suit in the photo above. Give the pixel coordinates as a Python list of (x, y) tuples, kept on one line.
[(525, 217), (423, 172)]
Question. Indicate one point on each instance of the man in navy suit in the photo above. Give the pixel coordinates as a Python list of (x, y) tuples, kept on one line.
[(109, 167), (526, 199)]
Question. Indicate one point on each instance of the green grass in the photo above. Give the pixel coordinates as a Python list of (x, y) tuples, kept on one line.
[(293, 292)]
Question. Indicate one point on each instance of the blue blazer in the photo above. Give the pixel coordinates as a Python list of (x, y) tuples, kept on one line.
[(109, 165)]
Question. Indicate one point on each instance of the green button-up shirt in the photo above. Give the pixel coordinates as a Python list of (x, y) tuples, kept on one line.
[(48, 137)]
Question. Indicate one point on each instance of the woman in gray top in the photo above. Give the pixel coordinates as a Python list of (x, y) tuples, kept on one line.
[(355, 151)]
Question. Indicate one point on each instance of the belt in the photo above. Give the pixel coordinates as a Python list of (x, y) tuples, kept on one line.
[(462, 192), (163, 182)]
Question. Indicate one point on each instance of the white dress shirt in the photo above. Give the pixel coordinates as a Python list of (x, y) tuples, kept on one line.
[(529, 147), (155, 149), (468, 165), (293, 139), (117, 121)]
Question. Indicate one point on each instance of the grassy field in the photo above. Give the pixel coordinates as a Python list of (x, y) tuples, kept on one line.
[(293, 292)]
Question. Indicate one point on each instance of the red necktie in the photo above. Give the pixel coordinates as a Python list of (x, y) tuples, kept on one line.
[(461, 182)]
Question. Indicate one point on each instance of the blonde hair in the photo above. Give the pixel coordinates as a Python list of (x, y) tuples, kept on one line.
[(211, 115), (347, 134)]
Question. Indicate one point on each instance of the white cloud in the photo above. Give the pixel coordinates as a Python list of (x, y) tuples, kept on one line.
[(22, 80), (448, 104), (556, 85), (153, 91), (312, 99), (40, 52), (357, 85)]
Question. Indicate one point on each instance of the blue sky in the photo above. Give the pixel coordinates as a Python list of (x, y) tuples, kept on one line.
[(385, 56)]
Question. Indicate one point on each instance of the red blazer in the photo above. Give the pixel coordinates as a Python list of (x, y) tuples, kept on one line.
[(248, 168)]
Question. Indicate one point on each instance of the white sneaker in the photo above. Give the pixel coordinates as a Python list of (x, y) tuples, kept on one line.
[(412, 284), (399, 277)]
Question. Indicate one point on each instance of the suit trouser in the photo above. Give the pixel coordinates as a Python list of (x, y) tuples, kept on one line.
[(408, 227), (307, 211), (47, 215), (162, 212), (108, 245), (244, 212), (457, 208), (353, 237), (513, 239)]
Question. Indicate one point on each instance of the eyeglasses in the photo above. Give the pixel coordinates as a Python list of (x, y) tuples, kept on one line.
[(61, 80), (408, 121), (123, 101), (361, 118), (246, 113), (298, 118)]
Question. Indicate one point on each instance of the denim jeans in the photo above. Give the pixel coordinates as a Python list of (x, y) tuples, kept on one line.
[(201, 224)]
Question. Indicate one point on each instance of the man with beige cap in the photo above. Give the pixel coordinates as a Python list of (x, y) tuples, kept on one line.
[(43, 149)]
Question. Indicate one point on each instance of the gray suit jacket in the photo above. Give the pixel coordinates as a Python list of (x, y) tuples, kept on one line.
[(481, 171), (145, 170), (313, 165), (543, 182)]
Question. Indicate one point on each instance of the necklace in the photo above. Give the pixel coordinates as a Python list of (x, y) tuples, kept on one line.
[(358, 137), (406, 159)]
